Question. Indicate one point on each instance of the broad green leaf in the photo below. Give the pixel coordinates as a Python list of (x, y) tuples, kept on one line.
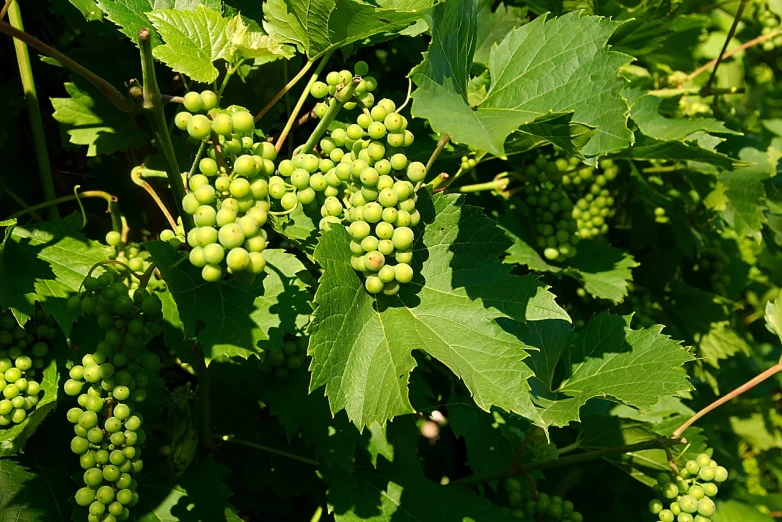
[(612, 361), (604, 270), (255, 44), (199, 495), (89, 9), (755, 429), (13, 438), (746, 194), (651, 149), (194, 41), (644, 110), (403, 497), (94, 122), (535, 70), (774, 316), (30, 491), (493, 25), (733, 510), (317, 27), (361, 344), (236, 320), (131, 15), (45, 263), (299, 227)]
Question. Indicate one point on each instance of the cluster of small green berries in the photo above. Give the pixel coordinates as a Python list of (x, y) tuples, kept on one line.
[(646, 309), (291, 358), (595, 206), (229, 198), (131, 254), (690, 493), (770, 23), (108, 434), (336, 79), (201, 126), (468, 163), (22, 355), (544, 508)]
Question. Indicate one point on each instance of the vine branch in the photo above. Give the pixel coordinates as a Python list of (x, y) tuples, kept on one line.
[(722, 400), (135, 175), (288, 86), (153, 107), (269, 449), (109, 91), (746, 45), (113, 207), (731, 33)]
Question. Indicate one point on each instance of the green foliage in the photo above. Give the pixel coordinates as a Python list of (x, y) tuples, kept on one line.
[(596, 225)]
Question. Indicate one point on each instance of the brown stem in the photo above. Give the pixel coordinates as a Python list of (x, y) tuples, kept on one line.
[(575, 459), (285, 89), (218, 152), (5, 8), (135, 175), (440, 146), (722, 400), (112, 94), (746, 45)]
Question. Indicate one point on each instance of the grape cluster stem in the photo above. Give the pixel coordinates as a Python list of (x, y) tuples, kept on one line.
[(135, 175), (153, 107), (113, 207), (342, 97), (269, 449)]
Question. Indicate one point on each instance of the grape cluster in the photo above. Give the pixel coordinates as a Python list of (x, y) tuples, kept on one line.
[(363, 178), (543, 508), (131, 254), (229, 198), (467, 163), (689, 494), (363, 93), (108, 434), (552, 187), (22, 354), (291, 358), (770, 22)]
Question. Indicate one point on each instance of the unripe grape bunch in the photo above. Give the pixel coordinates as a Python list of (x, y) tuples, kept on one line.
[(23, 353), (132, 255), (687, 497), (229, 198), (110, 383), (292, 357), (362, 178), (543, 508)]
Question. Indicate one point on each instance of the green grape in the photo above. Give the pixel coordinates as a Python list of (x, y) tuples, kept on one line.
[(84, 496), (244, 166), (373, 284), (376, 130), (319, 90), (707, 473), (182, 119), (655, 506), (242, 121), (666, 515), (416, 172), (403, 238), (373, 212), (113, 238), (361, 68), (199, 127), (706, 507), (720, 474), (209, 100), (289, 201), (384, 230), (300, 178), (257, 262), (359, 230), (193, 102), (222, 124), (238, 259)]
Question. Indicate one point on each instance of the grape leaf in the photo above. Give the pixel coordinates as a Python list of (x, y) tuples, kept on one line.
[(644, 110), (255, 44), (89, 9), (194, 40), (317, 27), (604, 270), (746, 193), (300, 227), (774, 316), (730, 510), (131, 15), (610, 360), (232, 320), (650, 149), (361, 344), (535, 70), (13, 438), (45, 263), (493, 25), (93, 121), (199, 495), (30, 492)]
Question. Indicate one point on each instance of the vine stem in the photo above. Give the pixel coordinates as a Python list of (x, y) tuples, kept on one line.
[(575, 459), (340, 99), (746, 45), (731, 33), (440, 146), (33, 111), (5, 8), (288, 86), (135, 175), (153, 107), (109, 91), (269, 449), (299, 104), (722, 400), (496, 185), (111, 200)]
